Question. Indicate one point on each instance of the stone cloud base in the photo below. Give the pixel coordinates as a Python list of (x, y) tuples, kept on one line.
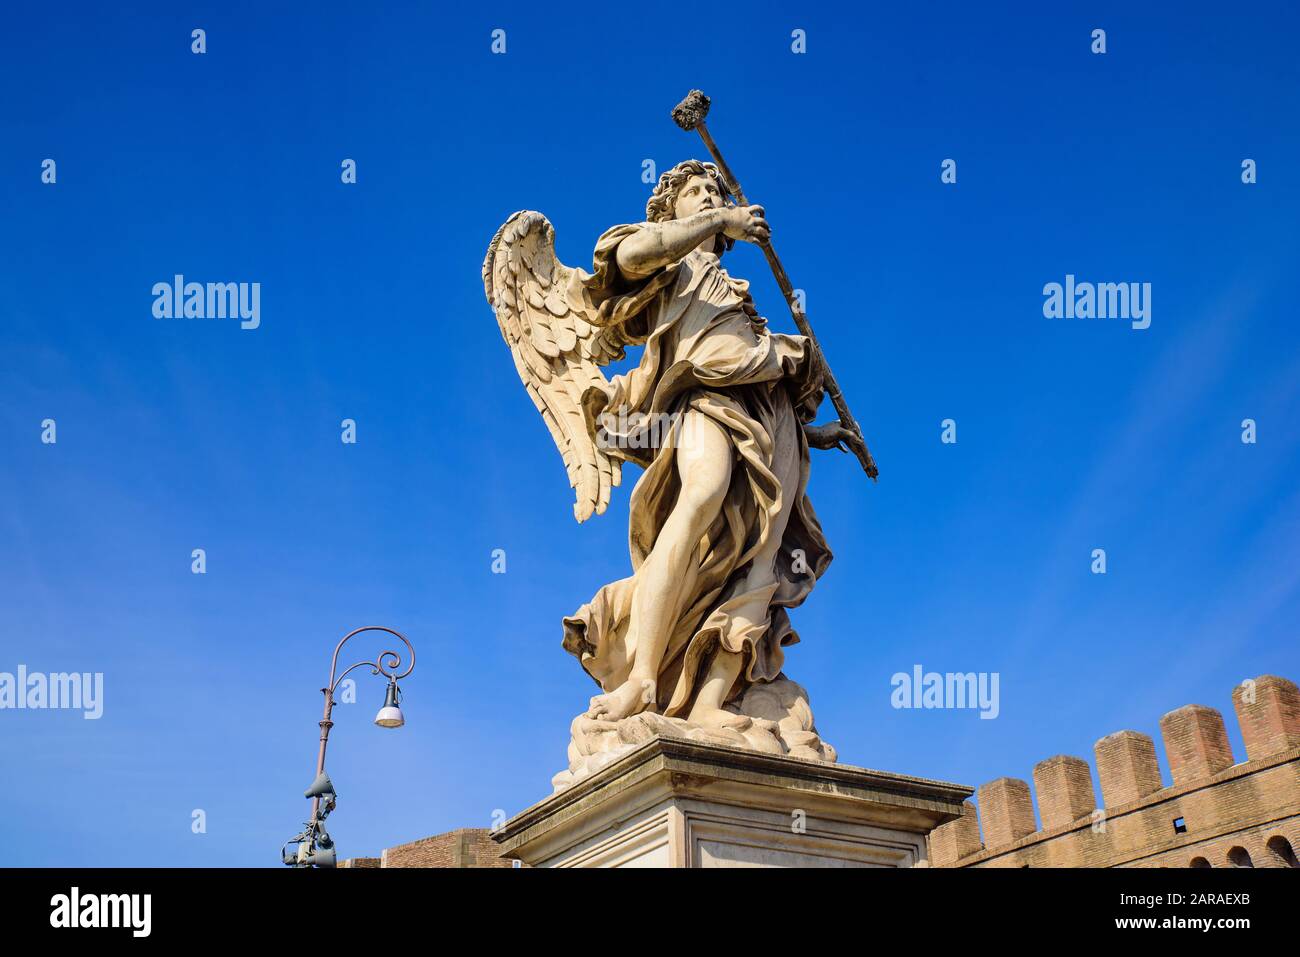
[(679, 803)]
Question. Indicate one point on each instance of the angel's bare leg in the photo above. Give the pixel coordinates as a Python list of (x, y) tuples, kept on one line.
[(725, 666), (667, 575)]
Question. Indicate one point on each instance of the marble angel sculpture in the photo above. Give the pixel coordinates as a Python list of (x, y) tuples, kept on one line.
[(723, 537)]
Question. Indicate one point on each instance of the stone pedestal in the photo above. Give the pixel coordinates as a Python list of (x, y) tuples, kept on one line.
[(681, 803)]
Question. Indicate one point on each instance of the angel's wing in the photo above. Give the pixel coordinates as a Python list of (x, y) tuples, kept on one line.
[(548, 323)]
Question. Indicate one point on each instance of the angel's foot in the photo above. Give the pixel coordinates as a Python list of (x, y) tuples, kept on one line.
[(631, 697), (707, 717)]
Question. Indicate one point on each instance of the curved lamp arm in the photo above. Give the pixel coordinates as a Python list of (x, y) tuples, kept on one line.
[(383, 661)]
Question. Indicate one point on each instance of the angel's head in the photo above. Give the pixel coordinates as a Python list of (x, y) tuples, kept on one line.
[(686, 189)]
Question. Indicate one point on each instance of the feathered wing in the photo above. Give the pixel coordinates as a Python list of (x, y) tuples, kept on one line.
[(557, 345)]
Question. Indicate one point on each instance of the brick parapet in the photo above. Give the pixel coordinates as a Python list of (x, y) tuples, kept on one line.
[(463, 847), (1216, 801)]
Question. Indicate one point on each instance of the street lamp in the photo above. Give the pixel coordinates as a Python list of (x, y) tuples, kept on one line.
[(314, 847)]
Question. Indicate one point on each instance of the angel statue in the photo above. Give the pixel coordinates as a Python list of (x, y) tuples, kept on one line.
[(723, 538)]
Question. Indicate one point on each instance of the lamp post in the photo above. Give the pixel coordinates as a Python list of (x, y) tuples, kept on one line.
[(315, 848)]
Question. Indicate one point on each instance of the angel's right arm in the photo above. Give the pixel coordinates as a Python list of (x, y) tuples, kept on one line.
[(658, 244)]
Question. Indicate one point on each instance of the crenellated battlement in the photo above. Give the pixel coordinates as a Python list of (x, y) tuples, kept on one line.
[(1216, 813)]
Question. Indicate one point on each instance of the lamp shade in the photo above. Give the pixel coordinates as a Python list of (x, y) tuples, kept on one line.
[(390, 715)]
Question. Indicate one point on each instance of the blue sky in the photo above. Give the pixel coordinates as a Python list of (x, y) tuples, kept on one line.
[(974, 556)]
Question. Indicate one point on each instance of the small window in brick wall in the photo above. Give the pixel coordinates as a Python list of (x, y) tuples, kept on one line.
[(1180, 826)]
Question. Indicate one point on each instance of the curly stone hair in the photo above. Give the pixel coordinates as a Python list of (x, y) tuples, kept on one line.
[(660, 207)]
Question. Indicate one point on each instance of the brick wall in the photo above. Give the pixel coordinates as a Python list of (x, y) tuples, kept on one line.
[(1217, 812), (464, 847)]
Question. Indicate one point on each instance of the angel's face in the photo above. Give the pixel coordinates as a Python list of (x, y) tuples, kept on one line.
[(700, 192)]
